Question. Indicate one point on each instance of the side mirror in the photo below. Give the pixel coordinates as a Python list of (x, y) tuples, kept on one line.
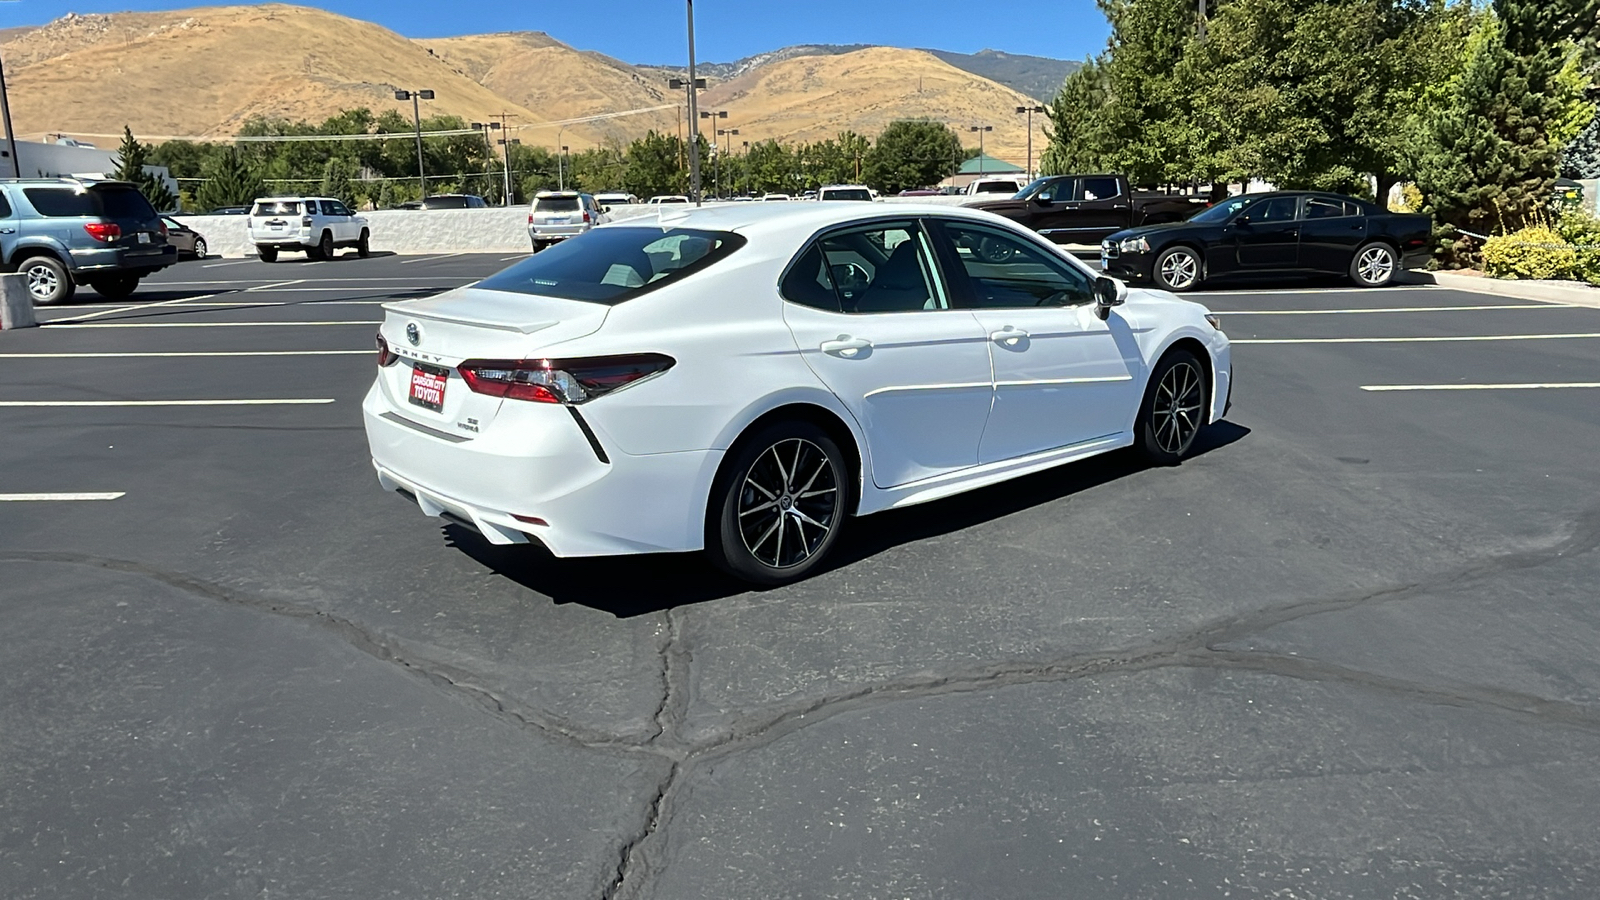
[(1042, 200), (1242, 220), (1108, 292)]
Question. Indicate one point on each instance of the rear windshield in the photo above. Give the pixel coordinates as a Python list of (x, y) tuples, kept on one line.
[(612, 265), (556, 204), (277, 208), (847, 195), (124, 203), (995, 187)]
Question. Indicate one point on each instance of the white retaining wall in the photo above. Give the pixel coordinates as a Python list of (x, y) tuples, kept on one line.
[(416, 231)]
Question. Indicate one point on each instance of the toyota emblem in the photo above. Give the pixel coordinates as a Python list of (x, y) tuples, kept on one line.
[(413, 334)]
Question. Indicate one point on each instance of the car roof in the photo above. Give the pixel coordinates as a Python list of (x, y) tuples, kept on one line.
[(289, 199), (544, 194), (766, 219)]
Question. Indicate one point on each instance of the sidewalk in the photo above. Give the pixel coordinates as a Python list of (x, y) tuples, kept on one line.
[(1568, 292)]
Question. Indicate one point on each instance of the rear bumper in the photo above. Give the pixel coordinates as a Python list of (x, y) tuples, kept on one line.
[(534, 461), (91, 263), (555, 232), (282, 238)]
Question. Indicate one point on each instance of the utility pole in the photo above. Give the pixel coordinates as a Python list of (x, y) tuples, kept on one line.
[(981, 130), (504, 127), (416, 117), (694, 117), (11, 136), (1030, 110)]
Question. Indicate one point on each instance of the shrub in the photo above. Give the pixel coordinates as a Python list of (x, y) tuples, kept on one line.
[(1537, 252), (1582, 231)]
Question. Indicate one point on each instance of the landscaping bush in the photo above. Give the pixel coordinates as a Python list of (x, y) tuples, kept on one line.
[(1538, 252), (1582, 231)]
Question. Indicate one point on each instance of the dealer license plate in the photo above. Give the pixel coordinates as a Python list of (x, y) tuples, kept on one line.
[(427, 386)]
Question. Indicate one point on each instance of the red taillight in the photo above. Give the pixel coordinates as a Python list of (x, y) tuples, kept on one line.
[(103, 231), (164, 231), (530, 218), (570, 381), (386, 357), (305, 221), (586, 217)]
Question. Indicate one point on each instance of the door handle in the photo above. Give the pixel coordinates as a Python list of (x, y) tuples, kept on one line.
[(8, 231), (1008, 336), (846, 346)]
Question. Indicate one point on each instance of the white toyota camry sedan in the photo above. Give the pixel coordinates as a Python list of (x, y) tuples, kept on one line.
[(744, 379)]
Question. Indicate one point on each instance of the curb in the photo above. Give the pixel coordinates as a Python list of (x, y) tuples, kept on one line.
[(1565, 292)]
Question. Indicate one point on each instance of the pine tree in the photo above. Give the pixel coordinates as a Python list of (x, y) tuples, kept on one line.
[(131, 159), (1581, 158), (229, 182), (337, 181)]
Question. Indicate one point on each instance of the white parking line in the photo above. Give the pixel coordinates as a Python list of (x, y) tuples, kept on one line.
[(61, 403), (175, 354), (1387, 309), (275, 284), (137, 306), (408, 262), (1531, 386), (237, 262), (1367, 291), (30, 498), (212, 324), (1412, 340)]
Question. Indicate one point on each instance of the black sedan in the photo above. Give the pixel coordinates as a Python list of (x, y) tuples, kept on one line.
[(1281, 233), (190, 243)]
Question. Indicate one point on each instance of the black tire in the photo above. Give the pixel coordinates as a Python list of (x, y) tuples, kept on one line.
[(1174, 409), (199, 248), (1374, 265), (267, 254), (324, 248), (537, 246), (48, 280), (115, 287), (1179, 269), (768, 526), (364, 246)]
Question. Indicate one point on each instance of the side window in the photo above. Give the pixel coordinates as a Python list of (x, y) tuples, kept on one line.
[(883, 268), (1058, 191), (335, 208), (312, 208), (1319, 208), (1278, 209), (5, 206), (1100, 188), (808, 282), (1007, 272)]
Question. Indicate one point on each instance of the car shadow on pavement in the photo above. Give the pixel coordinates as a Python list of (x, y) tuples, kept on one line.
[(628, 586)]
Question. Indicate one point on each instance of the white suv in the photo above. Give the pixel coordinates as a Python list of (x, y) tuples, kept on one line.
[(558, 215), (316, 225)]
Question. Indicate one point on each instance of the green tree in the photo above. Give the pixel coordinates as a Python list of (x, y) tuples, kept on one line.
[(229, 182), (911, 153), (131, 160), (338, 180), (655, 167), (1581, 157)]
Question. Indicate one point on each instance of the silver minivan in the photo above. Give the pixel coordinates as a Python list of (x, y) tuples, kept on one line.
[(558, 215)]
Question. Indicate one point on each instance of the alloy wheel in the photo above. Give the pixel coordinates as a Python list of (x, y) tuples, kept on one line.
[(1180, 270), (788, 504), (1376, 265), (42, 282), (1175, 415)]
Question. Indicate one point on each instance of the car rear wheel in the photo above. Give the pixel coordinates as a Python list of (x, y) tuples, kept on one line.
[(1179, 269), (48, 281), (324, 248), (1373, 266), (777, 505), (199, 248), (115, 287), (364, 246), (1174, 409), (267, 254)]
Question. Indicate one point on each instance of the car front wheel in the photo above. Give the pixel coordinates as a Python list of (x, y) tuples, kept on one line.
[(1174, 409), (1179, 269), (777, 505), (364, 246)]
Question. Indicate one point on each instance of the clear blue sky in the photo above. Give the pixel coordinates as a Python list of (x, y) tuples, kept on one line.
[(652, 31)]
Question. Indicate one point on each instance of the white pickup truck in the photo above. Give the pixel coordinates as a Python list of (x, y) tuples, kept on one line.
[(316, 225)]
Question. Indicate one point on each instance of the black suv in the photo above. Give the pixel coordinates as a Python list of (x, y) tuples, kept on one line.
[(64, 232)]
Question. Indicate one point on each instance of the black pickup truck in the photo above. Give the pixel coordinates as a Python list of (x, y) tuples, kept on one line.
[(1082, 209)]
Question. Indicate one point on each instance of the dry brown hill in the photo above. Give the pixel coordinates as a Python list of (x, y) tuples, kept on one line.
[(537, 72), (810, 98), (205, 71)]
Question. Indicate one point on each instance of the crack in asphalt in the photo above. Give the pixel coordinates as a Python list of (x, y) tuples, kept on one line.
[(1202, 647)]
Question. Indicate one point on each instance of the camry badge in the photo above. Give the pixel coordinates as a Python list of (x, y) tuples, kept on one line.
[(413, 334)]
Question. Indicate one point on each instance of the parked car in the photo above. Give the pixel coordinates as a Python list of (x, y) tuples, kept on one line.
[(63, 232), (668, 198), (598, 398), (920, 192), (1280, 233), (775, 198), (1083, 209), (317, 225), (188, 241), (1006, 185), (858, 192), (558, 215), (453, 201), (615, 198), (228, 211)]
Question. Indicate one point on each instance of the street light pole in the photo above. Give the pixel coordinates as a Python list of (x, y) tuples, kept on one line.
[(561, 168), (416, 117), (1030, 110), (694, 115), (981, 130)]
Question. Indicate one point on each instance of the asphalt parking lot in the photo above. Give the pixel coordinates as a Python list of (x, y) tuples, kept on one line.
[(1348, 651)]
